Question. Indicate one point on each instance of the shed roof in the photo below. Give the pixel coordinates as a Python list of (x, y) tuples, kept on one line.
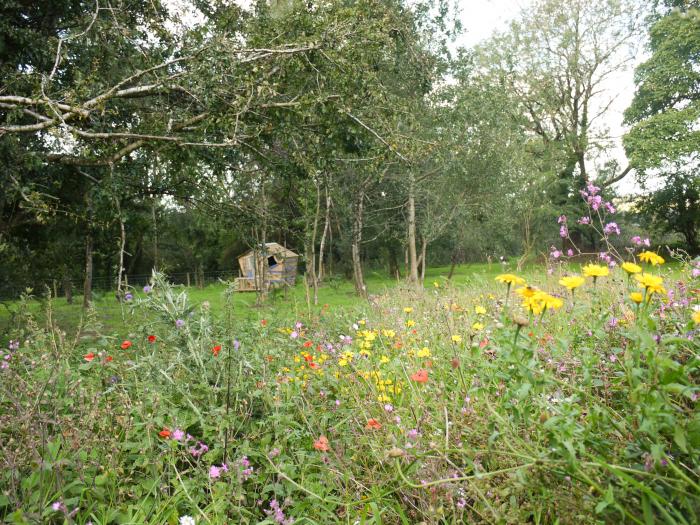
[(273, 248)]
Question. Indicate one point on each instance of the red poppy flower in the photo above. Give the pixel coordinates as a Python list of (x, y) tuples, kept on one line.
[(308, 344), (126, 344), (165, 433), (216, 350), (421, 376), (308, 358), (108, 359), (263, 322), (483, 343), (322, 444), (373, 424), (151, 338), (89, 357), (314, 366)]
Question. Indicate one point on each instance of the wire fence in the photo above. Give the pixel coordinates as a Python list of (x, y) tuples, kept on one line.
[(57, 287)]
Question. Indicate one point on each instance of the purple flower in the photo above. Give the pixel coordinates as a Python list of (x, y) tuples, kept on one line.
[(236, 344), (199, 449), (278, 514), (14, 344), (412, 434), (561, 219), (461, 503), (563, 231), (147, 289), (294, 334), (57, 505), (609, 207), (555, 254), (592, 189), (179, 323), (298, 325), (389, 407), (274, 453), (128, 297), (570, 252), (584, 220), (611, 227), (637, 240), (595, 201), (695, 272), (214, 472)]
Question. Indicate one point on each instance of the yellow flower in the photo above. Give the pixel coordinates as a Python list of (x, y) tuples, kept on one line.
[(389, 333), (572, 281), (631, 268), (408, 310), (510, 279), (383, 398), (436, 284), (410, 323), (595, 270), (696, 316), (533, 304), (526, 291), (636, 297), (477, 327), (480, 310), (424, 352), (384, 359), (651, 258), (457, 338), (652, 283)]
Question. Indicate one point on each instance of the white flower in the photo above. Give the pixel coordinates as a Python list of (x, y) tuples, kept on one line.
[(187, 520)]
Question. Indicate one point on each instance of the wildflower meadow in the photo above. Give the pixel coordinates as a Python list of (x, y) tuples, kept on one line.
[(569, 396)]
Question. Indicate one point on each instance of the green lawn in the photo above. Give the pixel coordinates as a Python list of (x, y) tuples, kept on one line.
[(336, 293)]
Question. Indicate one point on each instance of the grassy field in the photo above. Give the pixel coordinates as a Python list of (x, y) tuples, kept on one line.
[(338, 293), (474, 401)]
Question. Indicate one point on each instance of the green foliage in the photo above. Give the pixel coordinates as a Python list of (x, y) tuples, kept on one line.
[(666, 107)]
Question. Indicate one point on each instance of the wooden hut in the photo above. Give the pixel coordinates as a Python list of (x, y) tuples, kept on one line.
[(279, 265)]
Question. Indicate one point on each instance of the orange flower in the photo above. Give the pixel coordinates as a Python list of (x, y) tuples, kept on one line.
[(483, 343), (126, 344), (373, 424), (314, 366), (165, 433), (308, 358), (263, 322), (421, 376), (308, 344), (322, 444), (216, 350), (151, 338), (89, 357)]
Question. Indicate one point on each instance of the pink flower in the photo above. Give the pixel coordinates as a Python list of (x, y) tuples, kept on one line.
[(570, 252), (610, 207), (612, 227), (294, 334), (595, 201), (563, 231), (214, 472), (584, 220), (178, 434), (637, 240), (561, 219)]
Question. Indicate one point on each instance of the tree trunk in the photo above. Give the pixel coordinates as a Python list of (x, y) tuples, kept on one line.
[(87, 285), (358, 277), (155, 234), (455, 258), (412, 259), (122, 244), (68, 289), (326, 228), (424, 248), (311, 276)]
